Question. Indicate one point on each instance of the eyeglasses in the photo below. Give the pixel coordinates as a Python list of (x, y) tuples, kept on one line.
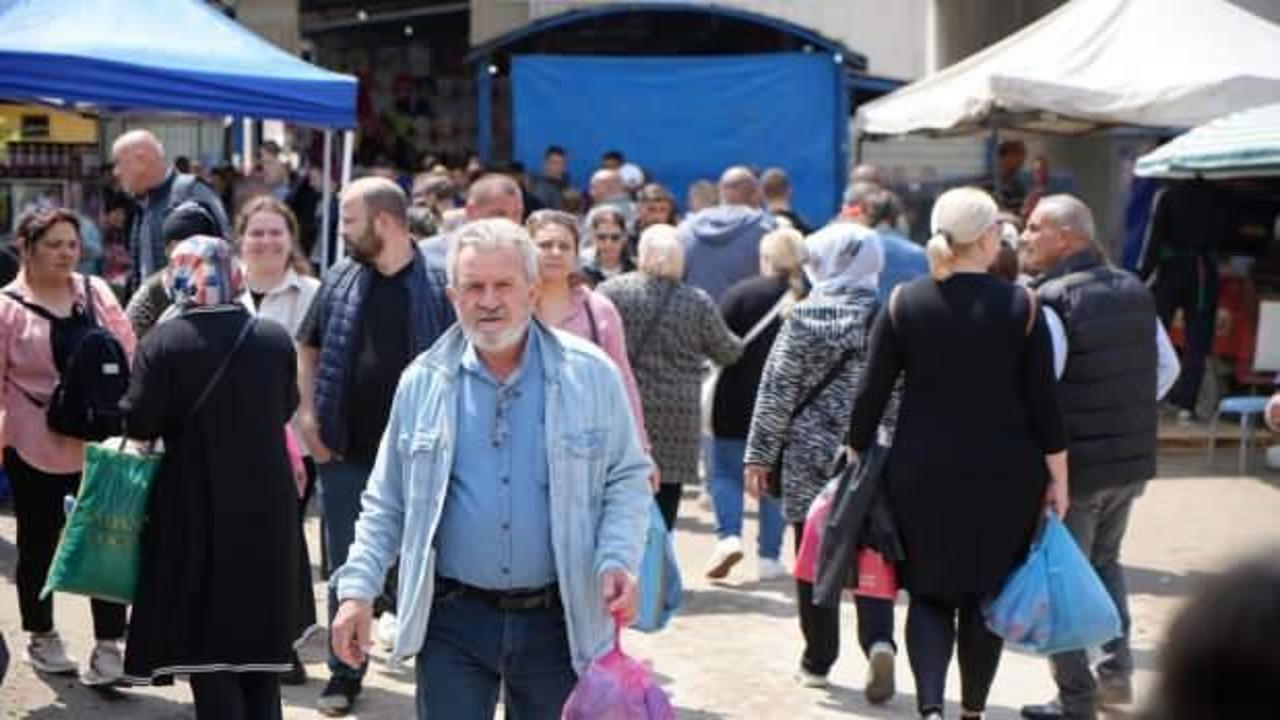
[(609, 237)]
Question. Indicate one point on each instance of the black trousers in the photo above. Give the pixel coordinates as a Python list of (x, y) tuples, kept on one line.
[(236, 696), (821, 625), (668, 498), (932, 632), (39, 511), (306, 593), (1190, 284)]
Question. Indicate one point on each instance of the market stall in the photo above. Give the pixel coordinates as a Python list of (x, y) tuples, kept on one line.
[(1236, 158), (182, 56)]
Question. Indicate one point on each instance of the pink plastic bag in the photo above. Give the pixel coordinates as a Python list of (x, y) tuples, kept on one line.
[(814, 523), (617, 687), (877, 578)]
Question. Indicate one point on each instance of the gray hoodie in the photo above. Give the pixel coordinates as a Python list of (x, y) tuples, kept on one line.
[(722, 246)]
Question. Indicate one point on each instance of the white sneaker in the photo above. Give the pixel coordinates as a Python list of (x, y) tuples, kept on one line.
[(387, 627), (727, 554), (106, 665), (397, 666), (46, 653), (880, 682), (771, 569), (810, 680)]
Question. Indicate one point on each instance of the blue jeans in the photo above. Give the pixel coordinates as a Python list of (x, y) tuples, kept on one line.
[(726, 495), (1098, 522), (341, 483), (472, 646)]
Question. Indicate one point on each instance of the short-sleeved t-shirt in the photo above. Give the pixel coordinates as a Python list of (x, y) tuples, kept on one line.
[(380, 354)]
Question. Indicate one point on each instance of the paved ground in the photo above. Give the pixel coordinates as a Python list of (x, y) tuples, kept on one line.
[(731, 651)]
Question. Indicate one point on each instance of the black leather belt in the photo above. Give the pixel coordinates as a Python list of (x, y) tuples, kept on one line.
[(505, 600)]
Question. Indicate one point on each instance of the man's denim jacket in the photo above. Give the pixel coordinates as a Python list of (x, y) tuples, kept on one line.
[(599, 490)]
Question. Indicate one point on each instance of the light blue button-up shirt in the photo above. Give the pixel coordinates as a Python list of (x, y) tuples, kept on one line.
[(495, 528)]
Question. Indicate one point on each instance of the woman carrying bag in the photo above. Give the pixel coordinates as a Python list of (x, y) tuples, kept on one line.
[(805, 397), (216, 596), (978, 447), (44, 313)]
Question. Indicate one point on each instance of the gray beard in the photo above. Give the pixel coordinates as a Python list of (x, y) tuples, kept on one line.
[(505, 341)]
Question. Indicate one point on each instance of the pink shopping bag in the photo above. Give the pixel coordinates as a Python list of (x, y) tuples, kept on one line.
[(617, 687), (814, 523), (877, 577)]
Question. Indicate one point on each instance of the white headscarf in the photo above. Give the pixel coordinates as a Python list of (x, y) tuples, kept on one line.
[(843, 256)]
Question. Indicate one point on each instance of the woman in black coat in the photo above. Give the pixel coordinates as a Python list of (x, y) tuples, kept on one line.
[(978, 450), (216, 595)]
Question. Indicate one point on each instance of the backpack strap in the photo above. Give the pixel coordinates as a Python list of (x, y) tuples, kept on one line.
[(591, 321), (222, 368), (1034, 310), (89, 309), (40, 310), (647, 335), (894, 302)]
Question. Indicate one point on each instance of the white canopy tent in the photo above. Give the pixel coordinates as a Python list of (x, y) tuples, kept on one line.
[(1094, 63)]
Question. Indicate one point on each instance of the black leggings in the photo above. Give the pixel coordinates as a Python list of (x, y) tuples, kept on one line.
[(38, 509), (931, 634), (668, 498), (821, 625), (236, 696)]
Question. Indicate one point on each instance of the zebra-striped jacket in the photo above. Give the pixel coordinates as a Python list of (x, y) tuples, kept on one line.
[(813, 338)]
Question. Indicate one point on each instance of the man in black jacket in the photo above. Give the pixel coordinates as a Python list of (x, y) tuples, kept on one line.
[(140, 167), (1108, 345)]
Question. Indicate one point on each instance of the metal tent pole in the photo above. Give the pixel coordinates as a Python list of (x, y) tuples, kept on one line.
[(326, 201), (348, 150)]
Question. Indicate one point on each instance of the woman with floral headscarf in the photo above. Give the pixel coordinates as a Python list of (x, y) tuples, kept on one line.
[(216, 597), (825, 337)]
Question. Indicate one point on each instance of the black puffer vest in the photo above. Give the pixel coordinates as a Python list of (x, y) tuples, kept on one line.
[(1108, 391)]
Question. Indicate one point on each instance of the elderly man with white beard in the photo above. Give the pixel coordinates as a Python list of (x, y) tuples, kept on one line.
[(512, 486)]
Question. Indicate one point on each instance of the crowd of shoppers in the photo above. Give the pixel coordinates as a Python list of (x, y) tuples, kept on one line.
[(487, 408)]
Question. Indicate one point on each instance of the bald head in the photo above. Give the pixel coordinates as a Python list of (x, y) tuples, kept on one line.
[(606, 183), (495, 196), (138, 161), (739, 186)]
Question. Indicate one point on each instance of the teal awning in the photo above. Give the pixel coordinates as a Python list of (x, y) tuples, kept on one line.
[(1242, 144)]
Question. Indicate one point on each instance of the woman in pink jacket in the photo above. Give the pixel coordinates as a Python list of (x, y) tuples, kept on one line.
[(567, 304), (45, 466)]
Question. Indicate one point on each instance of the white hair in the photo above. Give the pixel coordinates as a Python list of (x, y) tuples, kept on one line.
[(1068, 211), (961, 216), (661, 252), (486, 236)]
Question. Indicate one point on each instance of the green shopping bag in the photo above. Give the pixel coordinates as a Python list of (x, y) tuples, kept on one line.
[(98, 553)]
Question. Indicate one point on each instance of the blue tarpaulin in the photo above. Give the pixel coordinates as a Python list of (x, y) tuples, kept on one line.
[(166, 55), (686, 118)]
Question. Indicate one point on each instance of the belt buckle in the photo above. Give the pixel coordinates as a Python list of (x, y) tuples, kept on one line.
[(526, 602)]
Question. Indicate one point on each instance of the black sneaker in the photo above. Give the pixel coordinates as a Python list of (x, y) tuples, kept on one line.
[(339, 696), (297, 675)]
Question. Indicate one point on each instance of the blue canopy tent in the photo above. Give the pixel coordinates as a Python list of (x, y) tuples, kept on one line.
[(684, 89), (169, 55), (166, 56)]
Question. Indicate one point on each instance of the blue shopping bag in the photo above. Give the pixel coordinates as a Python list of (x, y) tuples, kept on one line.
[(660, 586), (1055, 602)]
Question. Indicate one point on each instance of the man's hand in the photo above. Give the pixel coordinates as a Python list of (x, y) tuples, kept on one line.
[(619, 591), (350, 632), (655, 478), (311, 431), (755, 478)]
